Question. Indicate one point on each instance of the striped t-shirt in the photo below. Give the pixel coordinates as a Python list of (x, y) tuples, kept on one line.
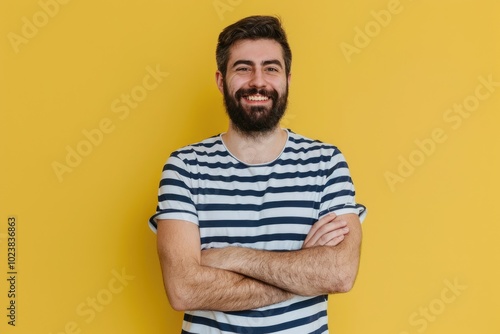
[(269, 206)]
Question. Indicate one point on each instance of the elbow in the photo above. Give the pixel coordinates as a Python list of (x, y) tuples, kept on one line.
[(344, 281), (345, 285), (178, 304), (178, 297), (340, 285)]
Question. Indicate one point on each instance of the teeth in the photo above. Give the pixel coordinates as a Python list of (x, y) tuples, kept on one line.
[(257, 98)]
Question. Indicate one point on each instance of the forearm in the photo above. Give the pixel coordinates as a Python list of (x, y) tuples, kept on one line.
[(308, 272), (205, 288), (192, 286)]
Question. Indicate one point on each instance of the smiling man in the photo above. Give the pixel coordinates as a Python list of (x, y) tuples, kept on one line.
[(257, 225)]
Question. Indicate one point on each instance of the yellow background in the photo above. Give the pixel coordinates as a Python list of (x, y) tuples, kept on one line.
[(436, 226)]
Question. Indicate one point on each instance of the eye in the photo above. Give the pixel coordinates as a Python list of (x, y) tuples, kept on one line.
[(242, 69), (272, 69)]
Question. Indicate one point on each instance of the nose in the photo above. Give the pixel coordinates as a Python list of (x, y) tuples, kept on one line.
[(257, 80)]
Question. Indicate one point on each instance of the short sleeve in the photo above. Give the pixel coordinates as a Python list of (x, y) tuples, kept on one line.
[(339, 194), (175, 200)]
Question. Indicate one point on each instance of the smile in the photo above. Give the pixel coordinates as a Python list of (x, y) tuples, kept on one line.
[(257, 98)]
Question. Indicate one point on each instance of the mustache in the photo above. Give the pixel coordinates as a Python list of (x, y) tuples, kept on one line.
[(242, 92)]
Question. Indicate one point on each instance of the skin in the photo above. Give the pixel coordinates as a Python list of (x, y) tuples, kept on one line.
[(237, 278)]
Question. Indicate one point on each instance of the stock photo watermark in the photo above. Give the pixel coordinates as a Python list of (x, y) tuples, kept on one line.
[(453, 118), (30, 26), (12, 272), (89, 309), (223, 6), (427, 314), (363, 36), (121, 108)]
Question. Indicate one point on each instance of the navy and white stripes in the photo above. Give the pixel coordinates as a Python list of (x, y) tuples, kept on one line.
[(268, 206)]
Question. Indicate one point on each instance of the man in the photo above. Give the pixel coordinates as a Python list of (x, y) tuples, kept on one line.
[(256, 226)]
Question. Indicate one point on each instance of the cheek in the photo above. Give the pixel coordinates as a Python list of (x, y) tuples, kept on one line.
[(229, 85), (234, 84), (278, 83)]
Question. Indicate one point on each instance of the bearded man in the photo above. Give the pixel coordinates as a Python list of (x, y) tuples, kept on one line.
[(257, 225)]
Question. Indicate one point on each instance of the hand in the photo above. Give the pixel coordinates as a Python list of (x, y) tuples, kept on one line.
[(326, 232)]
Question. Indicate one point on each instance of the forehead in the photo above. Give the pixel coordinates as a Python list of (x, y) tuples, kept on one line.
[(255, 50)]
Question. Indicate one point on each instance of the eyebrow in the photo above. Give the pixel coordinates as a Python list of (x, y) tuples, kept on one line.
[(264, 63)]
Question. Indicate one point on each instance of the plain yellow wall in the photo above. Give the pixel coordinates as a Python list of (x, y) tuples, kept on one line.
[(94, 95)]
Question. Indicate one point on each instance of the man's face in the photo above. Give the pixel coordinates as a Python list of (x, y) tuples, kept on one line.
[(256, 86)]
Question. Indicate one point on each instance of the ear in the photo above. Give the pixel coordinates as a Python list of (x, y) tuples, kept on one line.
[(219, 79), (289, 78)]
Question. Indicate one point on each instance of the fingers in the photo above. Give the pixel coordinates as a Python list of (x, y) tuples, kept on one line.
[(327, 233), (332, 238), (328, 238), (319, 224)]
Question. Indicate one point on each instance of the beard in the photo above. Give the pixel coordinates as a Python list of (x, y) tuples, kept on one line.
[(255, 120)]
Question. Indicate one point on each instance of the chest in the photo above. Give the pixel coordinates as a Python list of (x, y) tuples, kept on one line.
[(271, 208)]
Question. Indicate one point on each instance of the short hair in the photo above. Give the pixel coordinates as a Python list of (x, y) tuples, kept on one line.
[(253, 28)]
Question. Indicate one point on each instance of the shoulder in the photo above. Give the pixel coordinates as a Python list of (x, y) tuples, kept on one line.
[(301, 144), (209, 147)]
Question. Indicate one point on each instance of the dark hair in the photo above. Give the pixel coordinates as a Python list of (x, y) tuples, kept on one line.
[(252, 27)]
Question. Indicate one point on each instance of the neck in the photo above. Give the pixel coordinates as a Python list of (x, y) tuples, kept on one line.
[(255, 148)]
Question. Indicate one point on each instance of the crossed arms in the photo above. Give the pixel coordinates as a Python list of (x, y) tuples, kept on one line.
[(237, 278)]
